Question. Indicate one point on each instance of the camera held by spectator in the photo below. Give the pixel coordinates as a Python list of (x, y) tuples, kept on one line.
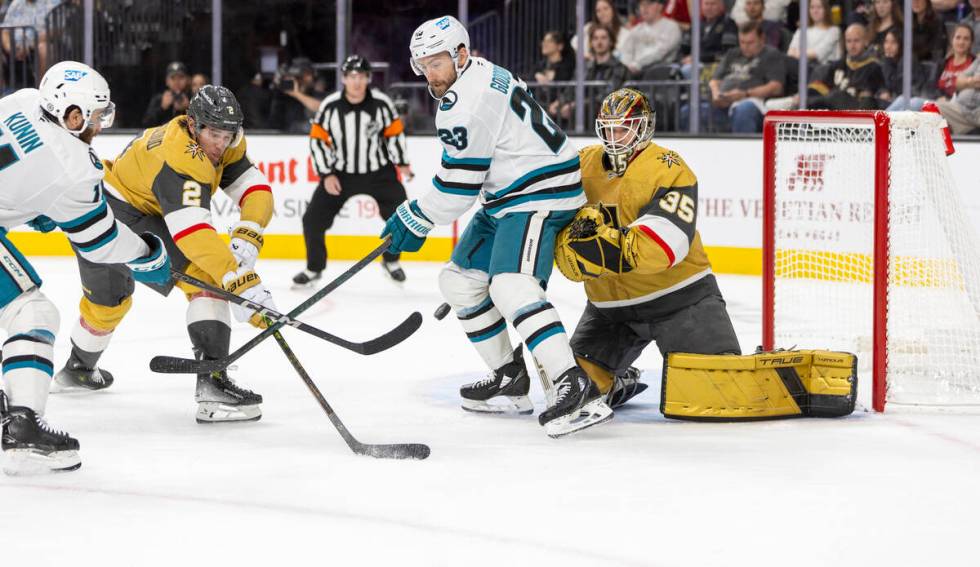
[(173, 101)]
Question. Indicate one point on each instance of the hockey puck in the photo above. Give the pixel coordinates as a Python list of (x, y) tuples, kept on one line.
[(441, 311)]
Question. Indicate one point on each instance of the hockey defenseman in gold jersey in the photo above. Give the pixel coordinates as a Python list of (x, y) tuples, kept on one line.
[(637, 248), (163, 183)]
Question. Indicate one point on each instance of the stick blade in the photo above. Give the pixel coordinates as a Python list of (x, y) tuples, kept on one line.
[(177, 365), (393, 337), (416, 451)]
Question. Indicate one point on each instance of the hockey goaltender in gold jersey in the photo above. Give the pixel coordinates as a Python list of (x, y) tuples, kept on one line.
[(648, 279)]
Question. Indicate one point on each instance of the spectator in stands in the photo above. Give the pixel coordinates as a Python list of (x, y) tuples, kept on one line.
[(27, 13), (775, 10), (928, 32), (885, 15), (719, 34), (198, 81), (604, 15), (973, 20), (822, 36), (603, 67), (256, 101), (963, 111), (654, 41), (890, 95), (959, 60), (678, 11), (746, 76), (173, 101), (295, 99), (947, 10), (558, 63), (774, 32), (851, 83)]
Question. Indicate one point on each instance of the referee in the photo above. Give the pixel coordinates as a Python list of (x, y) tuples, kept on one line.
[(357, 140)]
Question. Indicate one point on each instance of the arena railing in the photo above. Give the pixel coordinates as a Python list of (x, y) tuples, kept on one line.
[(21, 60)]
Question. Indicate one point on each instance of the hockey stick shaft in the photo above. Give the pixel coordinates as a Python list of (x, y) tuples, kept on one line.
[(393, 451), (361, 348), (167, 364)]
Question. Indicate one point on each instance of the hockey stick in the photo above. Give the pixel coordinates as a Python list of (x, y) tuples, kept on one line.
[(373, 346), (176, 365), (389, 451)]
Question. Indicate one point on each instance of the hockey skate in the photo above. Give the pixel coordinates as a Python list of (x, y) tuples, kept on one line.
[(578, 405), (625, 387), (31, 446), (220, 399), (76, 378), (306, 279), (503, 390), (394, 271)]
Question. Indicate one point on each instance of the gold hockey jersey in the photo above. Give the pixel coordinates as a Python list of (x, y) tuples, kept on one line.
[(165, 173), (657, 196)]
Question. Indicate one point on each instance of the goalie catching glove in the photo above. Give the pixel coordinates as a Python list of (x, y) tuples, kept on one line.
[(247, 285), (590, 246), (246, 242)]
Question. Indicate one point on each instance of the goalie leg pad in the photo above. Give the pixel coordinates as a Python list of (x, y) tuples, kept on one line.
[(771, 385)]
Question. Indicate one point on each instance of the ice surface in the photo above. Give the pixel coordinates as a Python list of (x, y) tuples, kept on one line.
[(156, 488)]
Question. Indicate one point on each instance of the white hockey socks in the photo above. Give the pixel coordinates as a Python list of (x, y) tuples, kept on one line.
[(467, 291)]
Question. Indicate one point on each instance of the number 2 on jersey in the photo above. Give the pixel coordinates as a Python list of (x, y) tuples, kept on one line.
[(192, 194), (521, 102)]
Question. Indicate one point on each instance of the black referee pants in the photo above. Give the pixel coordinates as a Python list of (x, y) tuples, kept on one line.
[(382, 185)]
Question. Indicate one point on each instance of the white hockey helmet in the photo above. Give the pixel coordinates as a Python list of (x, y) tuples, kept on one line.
[(438, 35), (70, 83)]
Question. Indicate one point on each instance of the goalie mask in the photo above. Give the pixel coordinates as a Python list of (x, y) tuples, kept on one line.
[(625, 126)]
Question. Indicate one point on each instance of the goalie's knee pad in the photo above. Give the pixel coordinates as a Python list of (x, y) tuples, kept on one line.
[(712, 387)]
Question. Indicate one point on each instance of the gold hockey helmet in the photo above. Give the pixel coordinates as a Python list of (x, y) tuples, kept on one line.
[(625, 126)]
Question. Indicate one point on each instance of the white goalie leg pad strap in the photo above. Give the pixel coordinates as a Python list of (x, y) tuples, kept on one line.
[(467, 291), (206, 307), (31, 321), (522, 300)]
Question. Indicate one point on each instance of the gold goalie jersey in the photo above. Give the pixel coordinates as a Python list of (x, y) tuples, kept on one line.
[(657, 197), (165, 173)]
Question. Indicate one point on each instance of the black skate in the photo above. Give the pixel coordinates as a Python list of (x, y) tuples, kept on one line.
[(394, 271), (625, 387), (31, 446), (503, 390), (220, 399), (306, 279), (578, 405), (76, 378)]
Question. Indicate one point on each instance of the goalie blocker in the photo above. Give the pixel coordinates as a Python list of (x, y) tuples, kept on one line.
[(770, 385)]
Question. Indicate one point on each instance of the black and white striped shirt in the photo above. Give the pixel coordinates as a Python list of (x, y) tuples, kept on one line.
[(357, 138)]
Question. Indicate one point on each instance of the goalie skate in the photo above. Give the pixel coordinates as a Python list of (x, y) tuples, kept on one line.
[(31, 446), (578, 405), (503, 390), (625, 387)]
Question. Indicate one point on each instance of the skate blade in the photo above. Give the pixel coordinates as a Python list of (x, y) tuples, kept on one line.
[(592, 413), (301, 287), (217, 412), (391, 278), (59, 388), (520, 405), (29, 462)]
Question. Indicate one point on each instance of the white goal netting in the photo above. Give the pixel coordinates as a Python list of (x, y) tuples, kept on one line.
[(824, 242)]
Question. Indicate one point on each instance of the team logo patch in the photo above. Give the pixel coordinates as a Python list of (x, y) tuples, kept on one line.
[(373, 128), (74, 75), (448, 101), (195, 150), (443, 23), (670, 158), (95, 159)]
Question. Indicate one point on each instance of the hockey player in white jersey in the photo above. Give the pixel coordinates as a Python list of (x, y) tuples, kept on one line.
[(500, 148), (51, 178)]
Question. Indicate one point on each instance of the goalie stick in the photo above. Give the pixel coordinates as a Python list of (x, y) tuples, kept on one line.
[(385, 451), (176, 365), (373, 346)]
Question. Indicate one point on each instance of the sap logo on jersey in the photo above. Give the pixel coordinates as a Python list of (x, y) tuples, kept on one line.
[(449, 100), (443, 23), (73, 75)]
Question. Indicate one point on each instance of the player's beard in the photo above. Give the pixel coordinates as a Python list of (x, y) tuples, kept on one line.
[(87, 135), (440, 88)]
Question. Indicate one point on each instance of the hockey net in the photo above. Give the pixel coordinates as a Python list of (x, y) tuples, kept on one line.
[(867, 248)]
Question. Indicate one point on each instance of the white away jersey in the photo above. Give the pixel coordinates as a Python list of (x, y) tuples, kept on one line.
[(500, 146), (45, 170)]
